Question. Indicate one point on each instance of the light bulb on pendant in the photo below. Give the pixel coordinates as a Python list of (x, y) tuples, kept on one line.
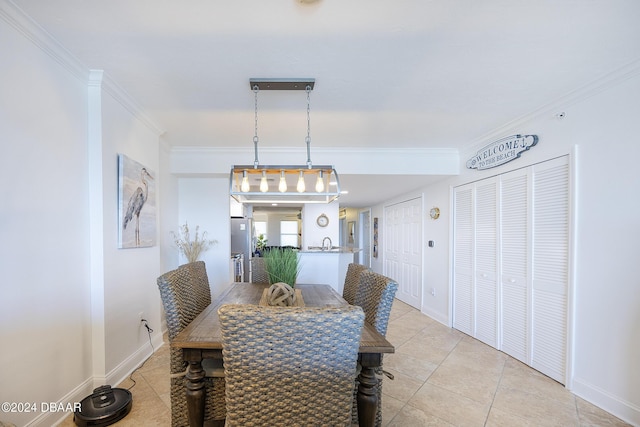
[(244, 186), (320, 182), (300, 187), (264, 185), (283, 183)]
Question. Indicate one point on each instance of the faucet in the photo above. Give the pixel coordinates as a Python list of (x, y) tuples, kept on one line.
[(330, 244)]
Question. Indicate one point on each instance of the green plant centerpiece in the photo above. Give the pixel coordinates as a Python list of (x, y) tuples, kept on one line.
[(192, 248), (282, 265), (261, 243)]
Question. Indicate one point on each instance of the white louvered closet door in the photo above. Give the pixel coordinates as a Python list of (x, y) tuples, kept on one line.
[(486, 262), (550, 267), (463, 264), (515, 254), (511, 263), (475, 263)]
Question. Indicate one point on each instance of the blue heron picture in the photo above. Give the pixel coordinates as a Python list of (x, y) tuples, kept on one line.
[(136, 204)]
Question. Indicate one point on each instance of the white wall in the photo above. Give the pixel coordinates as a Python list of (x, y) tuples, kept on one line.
[(205, 202), (312, 233), (44, 255), (436, 259), (604, 125), (129, 274), (168, 215), (70, 298)]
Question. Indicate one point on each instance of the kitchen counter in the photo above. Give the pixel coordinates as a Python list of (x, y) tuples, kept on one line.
[(333, 250), (325, 267)]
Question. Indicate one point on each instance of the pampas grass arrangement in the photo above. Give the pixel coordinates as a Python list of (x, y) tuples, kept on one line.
[(192, 249), (281, 265)]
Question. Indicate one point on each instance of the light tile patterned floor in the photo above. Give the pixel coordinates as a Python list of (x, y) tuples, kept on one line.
[(442, 378)]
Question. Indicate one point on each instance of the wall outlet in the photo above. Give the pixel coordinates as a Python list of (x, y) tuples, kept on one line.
[(141, 316), (433, 291)]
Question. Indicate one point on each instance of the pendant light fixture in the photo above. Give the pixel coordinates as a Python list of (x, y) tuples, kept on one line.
[(283, 183)]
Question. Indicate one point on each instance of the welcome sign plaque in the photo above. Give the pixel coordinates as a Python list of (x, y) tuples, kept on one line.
[(501, 151)]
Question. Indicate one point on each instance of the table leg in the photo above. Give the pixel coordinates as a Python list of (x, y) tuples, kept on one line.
[(367, 390), (195, 393)]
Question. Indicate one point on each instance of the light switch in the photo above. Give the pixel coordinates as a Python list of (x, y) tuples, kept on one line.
[(431, 243)]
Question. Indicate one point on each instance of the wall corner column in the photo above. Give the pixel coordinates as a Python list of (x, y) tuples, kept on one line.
[(96, 226)]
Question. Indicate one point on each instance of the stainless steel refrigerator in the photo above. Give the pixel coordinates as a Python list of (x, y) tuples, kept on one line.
[(242, 242)]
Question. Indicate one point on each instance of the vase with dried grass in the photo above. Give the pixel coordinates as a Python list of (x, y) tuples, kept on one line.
[(192, 249)]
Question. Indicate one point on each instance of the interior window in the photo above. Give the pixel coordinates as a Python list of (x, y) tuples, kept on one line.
[(260, 227), (289, 233)]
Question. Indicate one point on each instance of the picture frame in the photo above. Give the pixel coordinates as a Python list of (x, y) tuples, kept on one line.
[(351, 238), (136, 204), (375, 237)]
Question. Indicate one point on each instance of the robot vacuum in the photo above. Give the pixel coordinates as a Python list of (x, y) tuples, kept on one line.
[(104, 407)]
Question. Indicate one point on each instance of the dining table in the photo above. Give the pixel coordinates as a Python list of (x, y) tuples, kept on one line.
[(202, 339)]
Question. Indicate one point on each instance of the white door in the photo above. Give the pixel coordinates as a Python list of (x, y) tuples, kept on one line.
[(550, 269), (364, 256), (403, 249), (486, 267), (511, 263), (515, 248), (464, 259), (475, 230)]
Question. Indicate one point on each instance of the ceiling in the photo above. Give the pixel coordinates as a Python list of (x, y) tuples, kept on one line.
[(400, 74)]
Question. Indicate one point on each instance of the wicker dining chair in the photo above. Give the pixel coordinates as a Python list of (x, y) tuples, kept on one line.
[(375, 295), (290, 366), (351, 281), (185, 293), (258, 271)]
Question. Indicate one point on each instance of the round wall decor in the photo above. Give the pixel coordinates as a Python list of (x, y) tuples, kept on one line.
[(322, 220), (434, 213)]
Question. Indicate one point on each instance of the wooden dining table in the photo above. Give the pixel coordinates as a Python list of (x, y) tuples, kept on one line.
[(202, 339)]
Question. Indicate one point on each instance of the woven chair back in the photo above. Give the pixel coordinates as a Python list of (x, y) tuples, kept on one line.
[(375, 295), (185, 293), (287, 366), (258, 271), (351, 281)]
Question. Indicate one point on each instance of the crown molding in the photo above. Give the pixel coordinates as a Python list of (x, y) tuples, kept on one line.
[(30, 29), (582, 93), (329, 150), (110, 86), (37, 35)]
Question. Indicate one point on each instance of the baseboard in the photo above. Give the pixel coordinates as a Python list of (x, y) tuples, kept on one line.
[(437, 316), (622, 409), (116, 376), (53, 418), (127, 366)]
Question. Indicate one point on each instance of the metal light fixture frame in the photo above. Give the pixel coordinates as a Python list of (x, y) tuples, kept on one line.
[(256, 172)]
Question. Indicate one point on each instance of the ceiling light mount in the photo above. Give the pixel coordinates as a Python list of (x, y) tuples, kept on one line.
[(281, 84), (250, 183)]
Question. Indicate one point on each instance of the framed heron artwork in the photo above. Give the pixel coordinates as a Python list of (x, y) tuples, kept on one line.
[(136, 204)]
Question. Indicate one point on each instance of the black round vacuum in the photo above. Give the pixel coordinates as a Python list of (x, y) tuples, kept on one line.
[(104, 407)]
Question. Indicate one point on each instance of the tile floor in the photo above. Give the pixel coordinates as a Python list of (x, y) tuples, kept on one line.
[(442, 378)]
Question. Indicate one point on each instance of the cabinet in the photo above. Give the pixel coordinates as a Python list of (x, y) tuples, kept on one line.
[(511, 263)]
